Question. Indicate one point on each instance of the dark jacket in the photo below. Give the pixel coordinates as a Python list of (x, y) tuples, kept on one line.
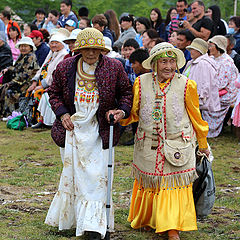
[(6, 59), (114, 93), (41, 53)]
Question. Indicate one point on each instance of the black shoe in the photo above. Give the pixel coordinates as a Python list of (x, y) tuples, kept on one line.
[(94, 236), (38, 125), (129, 143)]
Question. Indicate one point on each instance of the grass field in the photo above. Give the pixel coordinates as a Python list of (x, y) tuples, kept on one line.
[(30, 168)]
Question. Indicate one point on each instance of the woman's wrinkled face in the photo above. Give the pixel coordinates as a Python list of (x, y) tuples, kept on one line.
[(25, 49), (153, 16), (166, 68), (56, 46), (195, 54), (90, 55)]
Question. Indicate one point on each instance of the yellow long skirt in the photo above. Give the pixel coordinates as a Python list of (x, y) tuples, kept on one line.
[(164, 209)]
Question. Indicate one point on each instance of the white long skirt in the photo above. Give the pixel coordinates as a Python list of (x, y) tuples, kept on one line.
[(81, 198)]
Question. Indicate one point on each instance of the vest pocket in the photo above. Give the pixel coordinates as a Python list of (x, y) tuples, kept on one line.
[(178, 153), (139, 139)]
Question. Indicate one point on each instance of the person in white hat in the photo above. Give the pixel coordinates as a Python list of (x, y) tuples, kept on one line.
[(43, 79), (86, 88), (203, 69), (19, 75), (226, 76), (166, 106)]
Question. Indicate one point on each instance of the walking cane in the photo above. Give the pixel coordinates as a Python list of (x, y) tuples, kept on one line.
[(108, 206)]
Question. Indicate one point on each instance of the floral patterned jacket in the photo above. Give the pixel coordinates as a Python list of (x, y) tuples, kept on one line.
[(114, 89)]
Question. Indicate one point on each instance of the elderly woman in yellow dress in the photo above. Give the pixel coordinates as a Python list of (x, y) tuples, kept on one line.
[(167, 108)]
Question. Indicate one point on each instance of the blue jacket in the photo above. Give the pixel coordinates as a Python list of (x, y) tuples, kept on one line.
[(41, 53), (62, 20)]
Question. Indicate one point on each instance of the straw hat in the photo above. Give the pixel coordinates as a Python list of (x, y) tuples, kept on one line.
[(108, 43), (161, 48), (26, 40), (90, 38), (73, 35), (220, 41), (199, 44)]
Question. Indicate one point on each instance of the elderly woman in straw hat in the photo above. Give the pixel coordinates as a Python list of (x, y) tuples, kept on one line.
[(86, 88), (203, 69), (226, 77), (166, 106), (19, 75)]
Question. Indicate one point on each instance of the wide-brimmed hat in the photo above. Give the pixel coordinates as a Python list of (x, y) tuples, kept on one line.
[(199, 44), (90, 38), (220, 41), (73, 35), (162, 48), (26, 40), (60, 35)]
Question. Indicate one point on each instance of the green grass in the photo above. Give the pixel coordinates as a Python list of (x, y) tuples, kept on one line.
[(30, 167)]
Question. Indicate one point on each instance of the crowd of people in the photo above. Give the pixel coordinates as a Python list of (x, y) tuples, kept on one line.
[(193, 42)]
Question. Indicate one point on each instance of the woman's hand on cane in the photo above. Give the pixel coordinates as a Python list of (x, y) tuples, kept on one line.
[(118, 115), (67, 122)]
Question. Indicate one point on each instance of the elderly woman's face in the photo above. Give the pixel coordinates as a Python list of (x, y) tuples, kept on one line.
[(195, 54), (213, 50), (25, 49), (166, 68), (90, 55), (56, 46)]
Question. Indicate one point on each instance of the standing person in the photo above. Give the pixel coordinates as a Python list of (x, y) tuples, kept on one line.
[(203, 27), (40, 15), (181, 5), (203, 69), (234, 28), (82, 101), (166, 105), (113, 23), (126, 23), (51, 21), (214, 13), (142, 24), (65, 7), (13, 38), (157, 23), (226, 77), (5, 16), (83, 12), (42, 48)]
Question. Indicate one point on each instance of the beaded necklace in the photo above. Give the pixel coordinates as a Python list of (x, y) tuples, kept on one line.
[(156, 112)]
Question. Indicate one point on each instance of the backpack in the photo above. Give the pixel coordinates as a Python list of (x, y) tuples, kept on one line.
[(204, 186)]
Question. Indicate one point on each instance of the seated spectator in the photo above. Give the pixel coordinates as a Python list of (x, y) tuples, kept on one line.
[(129, 47), (203, 70), (20, 75), (42, 48), (13, 38), (184, 39), (173, 38), (6, 59), (227, 75), (40, 15), (154, 42), (231, 52), (51, 21), (214, 13), (126, 23), (84, 23), (43, 79), (157, 23), (100, 22), (70, 25), (234, 28), (142, 24), (148, 35), (5, 16), (70, 41), (28, 28), (65, 7), (109, 51)]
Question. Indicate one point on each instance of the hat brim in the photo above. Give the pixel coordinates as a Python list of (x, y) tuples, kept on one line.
[(181, 61), (21, 43), (192, 47), (77, 49)]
